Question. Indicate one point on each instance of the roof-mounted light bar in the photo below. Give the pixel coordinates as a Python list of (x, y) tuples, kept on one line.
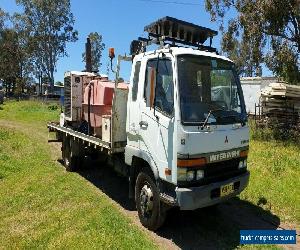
[(175, 32), (180, 30)]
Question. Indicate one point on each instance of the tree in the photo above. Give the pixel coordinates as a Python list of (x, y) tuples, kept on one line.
[(50, 27), (263, 31), (24, 51), (3, 17), (97, 46), (15, 62), (284, 61), (9, 67)]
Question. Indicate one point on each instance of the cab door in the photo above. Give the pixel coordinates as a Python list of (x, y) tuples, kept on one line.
[(157, 113), (133, 107)]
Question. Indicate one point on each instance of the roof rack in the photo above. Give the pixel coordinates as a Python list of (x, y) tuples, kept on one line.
[(169, 30)]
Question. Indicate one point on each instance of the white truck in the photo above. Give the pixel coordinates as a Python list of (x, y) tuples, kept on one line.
[(180, 132)]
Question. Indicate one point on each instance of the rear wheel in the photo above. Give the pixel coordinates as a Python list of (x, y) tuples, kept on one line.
[(151, 213), (71, 161)]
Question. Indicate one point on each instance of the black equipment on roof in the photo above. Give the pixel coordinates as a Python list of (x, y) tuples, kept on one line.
[(173, 28), (174, 31)]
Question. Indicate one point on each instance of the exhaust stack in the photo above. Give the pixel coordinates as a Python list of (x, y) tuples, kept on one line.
[(88, 56)]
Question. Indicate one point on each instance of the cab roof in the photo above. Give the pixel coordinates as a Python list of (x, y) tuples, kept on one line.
[(176, 51)]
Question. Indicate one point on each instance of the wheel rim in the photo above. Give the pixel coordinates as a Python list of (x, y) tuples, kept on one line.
[(146, 200)]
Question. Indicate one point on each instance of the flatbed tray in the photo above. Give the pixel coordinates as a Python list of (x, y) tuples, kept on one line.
[(55, 127)]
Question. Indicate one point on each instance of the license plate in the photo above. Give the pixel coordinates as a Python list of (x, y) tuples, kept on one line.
[(226, 189)]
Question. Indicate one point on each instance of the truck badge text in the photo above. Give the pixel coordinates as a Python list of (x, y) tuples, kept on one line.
[(224, 156)]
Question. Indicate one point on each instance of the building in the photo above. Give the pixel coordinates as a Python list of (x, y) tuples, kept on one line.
[(58, 90), (252, 87)]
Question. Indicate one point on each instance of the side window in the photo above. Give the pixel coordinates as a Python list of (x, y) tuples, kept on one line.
[(151, 65), (164, 87), (135, 82)]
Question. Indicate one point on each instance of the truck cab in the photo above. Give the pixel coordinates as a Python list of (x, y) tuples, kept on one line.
[(186, 129)]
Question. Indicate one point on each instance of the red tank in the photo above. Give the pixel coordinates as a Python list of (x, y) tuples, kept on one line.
[(101, 97)]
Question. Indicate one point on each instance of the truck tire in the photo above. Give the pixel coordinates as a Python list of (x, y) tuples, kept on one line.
[(150, 211), (71, 161)]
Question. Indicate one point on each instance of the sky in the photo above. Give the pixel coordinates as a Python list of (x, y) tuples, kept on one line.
[(120, 22)]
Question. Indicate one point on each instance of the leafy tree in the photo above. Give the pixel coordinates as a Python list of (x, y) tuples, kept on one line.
[(24, 50), (50, 27), (15, 64), (8, 59), (3, 17), (97, 46), (263, 31), (283, 60)]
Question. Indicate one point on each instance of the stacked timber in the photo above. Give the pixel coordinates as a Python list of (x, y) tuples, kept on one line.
[(280, 104), (280, 89)]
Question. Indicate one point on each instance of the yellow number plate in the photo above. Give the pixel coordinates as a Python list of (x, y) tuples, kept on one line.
[(226, 189)]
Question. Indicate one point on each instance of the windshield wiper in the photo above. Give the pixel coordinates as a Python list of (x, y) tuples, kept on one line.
[(207, 117)]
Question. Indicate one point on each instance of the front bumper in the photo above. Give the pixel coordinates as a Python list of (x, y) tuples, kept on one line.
[(203, 196)]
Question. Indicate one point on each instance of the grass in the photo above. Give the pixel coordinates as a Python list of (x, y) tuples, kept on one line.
[(43, 206), (30, 112), (275, 177)]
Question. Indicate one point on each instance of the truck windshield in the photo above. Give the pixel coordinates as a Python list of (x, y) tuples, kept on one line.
[(209, 86)]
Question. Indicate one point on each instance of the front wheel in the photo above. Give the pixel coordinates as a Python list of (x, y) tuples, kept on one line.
[(150, 211)]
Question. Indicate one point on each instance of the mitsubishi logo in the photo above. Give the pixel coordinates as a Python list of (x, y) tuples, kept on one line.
[(226, 139)]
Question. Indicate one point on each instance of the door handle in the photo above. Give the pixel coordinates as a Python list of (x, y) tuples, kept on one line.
[(143, 124), (132, 128)]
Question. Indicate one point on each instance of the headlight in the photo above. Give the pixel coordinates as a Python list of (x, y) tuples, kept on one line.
[(184, 174), (190, 175), (199, 174), (181, 174), (243, 164)]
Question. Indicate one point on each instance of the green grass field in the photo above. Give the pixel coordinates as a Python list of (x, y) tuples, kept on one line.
[(43, 206), (275, 179)]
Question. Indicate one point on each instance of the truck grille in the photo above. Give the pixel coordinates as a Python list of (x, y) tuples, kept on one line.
[(67, 97), (219, 169)]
